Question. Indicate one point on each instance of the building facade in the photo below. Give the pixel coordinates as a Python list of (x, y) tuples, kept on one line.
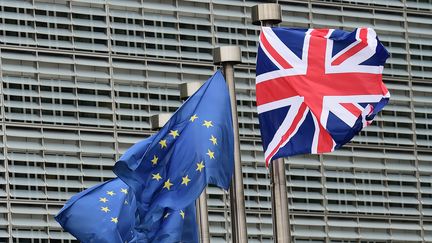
[(80, 80)]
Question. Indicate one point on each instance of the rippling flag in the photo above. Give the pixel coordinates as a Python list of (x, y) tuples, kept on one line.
[(194, 148), (103, 213), (106, 213), (171, 225), (317, 88), (163, 175)]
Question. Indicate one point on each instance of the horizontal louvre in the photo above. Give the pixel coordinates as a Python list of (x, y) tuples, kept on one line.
[(81, 79)]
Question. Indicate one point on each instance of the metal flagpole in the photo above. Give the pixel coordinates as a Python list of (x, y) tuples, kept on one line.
[(203, 217), (227, 56), (186, 90), (268, 14)]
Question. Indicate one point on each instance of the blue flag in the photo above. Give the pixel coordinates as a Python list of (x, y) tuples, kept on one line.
[(102, 213), (172, 226), (161, 177), (195, 148), (107, 213)]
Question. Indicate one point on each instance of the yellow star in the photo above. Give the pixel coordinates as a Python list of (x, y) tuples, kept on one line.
[(174, 133), (186, 180), (111, 193), (166, 215), (210, 154), (126, 202), (192, 119), (200, 166), (125, 191), (103, 199), (105, 209), (167, 184), (155, 160), (163, 143), (115, 220), (156, 177), (182, 214), (207, 124), (213, 139)]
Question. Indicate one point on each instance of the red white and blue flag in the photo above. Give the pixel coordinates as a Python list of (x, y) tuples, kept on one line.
[(317, 88)]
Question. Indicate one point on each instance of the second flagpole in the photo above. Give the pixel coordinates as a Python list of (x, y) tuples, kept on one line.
[(268, 14), (227, 56)]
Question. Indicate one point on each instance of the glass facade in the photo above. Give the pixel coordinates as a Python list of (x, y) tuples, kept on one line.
[(81, 79)]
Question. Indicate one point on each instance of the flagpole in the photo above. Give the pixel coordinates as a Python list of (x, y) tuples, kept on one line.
[(268, 14), (227, 56), (186, 90)]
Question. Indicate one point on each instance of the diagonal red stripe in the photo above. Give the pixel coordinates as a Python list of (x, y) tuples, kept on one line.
[(352, 108), (273, 52), (289, 132), (363, 43)]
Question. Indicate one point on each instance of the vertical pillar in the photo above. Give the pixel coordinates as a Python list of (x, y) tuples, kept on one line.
[(268, 14), (227, 56), (187, 90), (280, 216)]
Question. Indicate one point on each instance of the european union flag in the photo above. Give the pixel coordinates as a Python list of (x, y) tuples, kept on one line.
[(164, 174), (173, 226), (102, 213), (107, 213), (193, 149)]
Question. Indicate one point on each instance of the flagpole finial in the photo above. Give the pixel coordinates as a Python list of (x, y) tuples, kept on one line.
[(227, 54), (266, 13), (227, 57), (159, 120), (188, 89)]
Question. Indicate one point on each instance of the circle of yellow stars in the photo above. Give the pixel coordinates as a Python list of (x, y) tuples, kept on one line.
[(167, 184), (186, 180)]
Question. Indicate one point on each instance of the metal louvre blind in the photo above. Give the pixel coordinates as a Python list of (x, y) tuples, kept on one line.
[(80, 80)]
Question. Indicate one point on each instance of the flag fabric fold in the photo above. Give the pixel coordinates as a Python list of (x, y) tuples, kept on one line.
[(106, 213), (317, 88), (103, 213), (163, 176), (170, 225), (193, 149)]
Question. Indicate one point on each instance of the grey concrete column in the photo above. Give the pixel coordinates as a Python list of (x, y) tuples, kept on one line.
[(269, 14), (227, 56)]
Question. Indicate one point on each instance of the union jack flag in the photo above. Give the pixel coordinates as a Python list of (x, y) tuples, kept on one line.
[(317, 88)]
